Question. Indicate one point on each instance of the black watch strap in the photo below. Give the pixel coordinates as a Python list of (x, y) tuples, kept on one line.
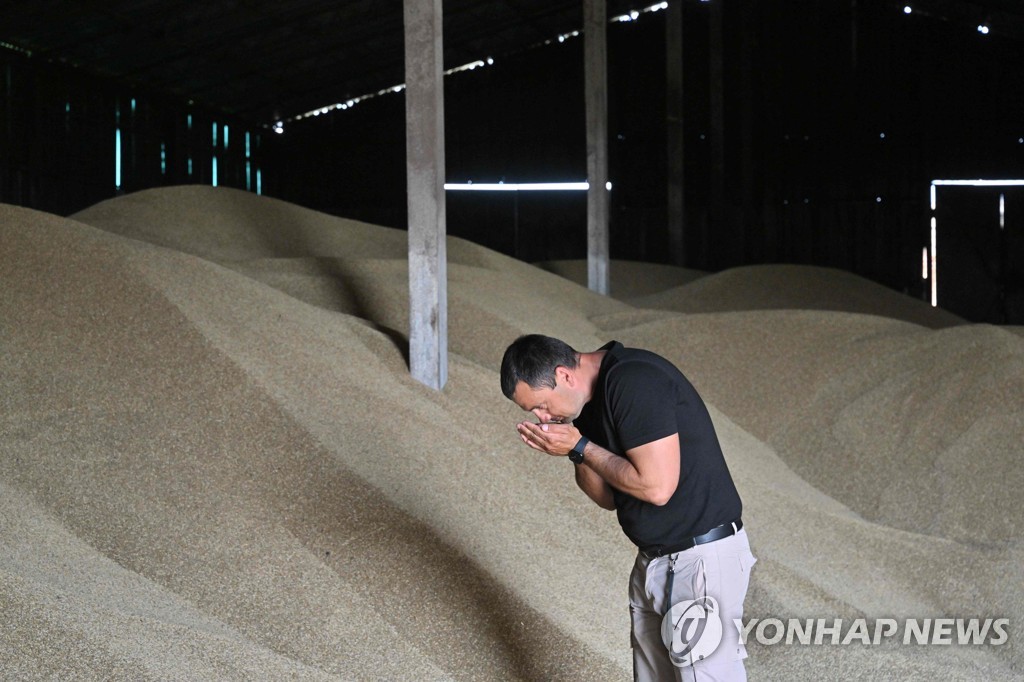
[(576, 454)]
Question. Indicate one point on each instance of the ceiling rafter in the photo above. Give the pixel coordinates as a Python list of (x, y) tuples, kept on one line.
[(263, 60)]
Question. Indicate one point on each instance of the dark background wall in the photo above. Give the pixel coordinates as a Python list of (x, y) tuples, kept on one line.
[(59, 130), (837, 117)]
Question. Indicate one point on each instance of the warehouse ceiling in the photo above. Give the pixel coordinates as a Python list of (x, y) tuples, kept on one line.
[(264, 61)]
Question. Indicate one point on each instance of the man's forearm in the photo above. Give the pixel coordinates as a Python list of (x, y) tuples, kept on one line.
[(654, 485), (648, 472), (594, 486)]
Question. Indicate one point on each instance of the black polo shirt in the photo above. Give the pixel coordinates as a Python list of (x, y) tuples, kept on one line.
[(640, 397)]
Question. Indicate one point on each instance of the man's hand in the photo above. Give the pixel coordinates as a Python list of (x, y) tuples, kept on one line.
[(554, 439), (557, 440), (648, 472)]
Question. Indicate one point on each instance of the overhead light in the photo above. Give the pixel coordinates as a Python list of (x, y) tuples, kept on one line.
[(983, 29), (517, 186), (907, 9), (502, 186), (933, 262), (467, 67), (980, 183), (14, 48)]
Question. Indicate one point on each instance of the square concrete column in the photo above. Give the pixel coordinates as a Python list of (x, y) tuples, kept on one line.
[(425, 172), (596, 97), (716, 84), (674, 129)]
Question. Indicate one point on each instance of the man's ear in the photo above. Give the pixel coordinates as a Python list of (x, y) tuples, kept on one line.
[(566, 375)]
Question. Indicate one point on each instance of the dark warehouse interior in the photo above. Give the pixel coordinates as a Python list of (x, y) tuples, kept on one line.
[(835, 118)]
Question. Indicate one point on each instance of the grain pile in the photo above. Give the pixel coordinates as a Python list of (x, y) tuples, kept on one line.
[(214, 465)]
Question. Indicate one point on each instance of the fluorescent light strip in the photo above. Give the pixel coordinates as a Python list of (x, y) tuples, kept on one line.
[(117, 159), (935, 274), (980, 183), (517, 186)]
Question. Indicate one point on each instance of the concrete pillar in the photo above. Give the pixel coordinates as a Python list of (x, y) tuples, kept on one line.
[(746, 232), (424, 125), (596, 97), (674, 129), (717, 87)]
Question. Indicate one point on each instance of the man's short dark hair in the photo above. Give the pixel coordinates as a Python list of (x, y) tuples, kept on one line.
[(532, 359)]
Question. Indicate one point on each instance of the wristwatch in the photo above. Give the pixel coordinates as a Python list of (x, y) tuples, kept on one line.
[(576, 454)]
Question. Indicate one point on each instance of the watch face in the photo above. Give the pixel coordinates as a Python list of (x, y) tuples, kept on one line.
[(575, 456)]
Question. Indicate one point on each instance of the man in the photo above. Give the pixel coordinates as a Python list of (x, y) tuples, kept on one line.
[(642, 443)]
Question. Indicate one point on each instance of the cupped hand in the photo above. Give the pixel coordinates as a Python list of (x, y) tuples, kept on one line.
[(554, 439)]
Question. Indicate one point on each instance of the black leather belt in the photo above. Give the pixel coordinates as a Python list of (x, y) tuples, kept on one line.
[(716, 533)]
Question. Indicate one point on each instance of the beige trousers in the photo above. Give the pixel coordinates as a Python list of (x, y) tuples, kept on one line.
[(720, 570)]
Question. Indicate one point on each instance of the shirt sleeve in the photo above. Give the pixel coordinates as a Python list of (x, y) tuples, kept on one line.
[(642, 403)]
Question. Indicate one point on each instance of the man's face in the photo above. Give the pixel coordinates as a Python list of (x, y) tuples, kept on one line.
[(560, 404)]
